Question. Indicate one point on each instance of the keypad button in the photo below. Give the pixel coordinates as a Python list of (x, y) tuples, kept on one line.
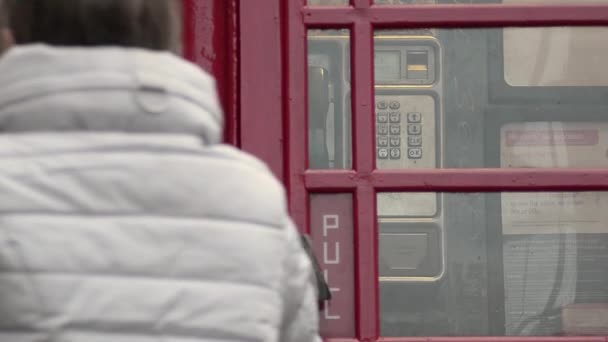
[(414, 117), (414, 153), (395, 129), (383, 153), (414, 140), (382, 117), (395, 153), (395, 117), (382, 129), (382, 105), (395, 141), (395, 105), (382, 141), (414, 129)]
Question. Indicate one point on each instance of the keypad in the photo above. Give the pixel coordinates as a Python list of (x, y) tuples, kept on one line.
[(395, 153), (414, 153), (395, 117), (414, 129), (395, 129), (382, 129), (414, 117), (382, 141), (382, 117), (414, 140), (395, 141), (383, 153), (389, 122)]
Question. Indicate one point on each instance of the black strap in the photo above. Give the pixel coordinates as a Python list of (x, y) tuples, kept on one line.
[(323, 293)]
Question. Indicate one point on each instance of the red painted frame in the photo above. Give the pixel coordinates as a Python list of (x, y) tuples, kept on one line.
[(261, 84), (364, 181), (210, 40)]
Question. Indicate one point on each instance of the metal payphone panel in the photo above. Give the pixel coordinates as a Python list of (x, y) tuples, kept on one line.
[(408, 93), (450, 264), (406, 130), (407, 119)]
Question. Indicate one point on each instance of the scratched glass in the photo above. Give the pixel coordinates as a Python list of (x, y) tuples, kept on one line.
[(499, 98), (510, 264)]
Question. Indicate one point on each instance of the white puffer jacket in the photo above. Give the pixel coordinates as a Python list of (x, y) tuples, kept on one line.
[(122, 218)]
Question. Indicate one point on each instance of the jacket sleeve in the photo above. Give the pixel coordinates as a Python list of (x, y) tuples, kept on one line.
[(300, 315)]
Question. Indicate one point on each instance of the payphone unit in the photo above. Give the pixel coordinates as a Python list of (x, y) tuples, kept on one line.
[(486, 263)]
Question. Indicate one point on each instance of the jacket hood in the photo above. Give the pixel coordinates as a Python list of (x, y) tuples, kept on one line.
[(45, 88)]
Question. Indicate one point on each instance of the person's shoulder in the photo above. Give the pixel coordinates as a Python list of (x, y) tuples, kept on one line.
[(239, 157), (246, 168), (252, 189)]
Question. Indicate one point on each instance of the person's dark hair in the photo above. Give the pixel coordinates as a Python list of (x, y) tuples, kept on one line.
[(151, 24), (3, 26), (3, 15)]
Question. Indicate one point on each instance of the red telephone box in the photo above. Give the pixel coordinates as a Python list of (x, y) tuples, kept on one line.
[(449, 158)]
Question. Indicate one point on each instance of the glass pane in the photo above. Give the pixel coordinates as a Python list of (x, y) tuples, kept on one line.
[(510, 264), (328, 2), (329, 100), (552, 2), (577, 57), (332, 230), (428, 2), (474, 98), (404, 2)]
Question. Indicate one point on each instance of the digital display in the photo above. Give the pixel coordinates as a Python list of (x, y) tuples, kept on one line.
[(387, 65)]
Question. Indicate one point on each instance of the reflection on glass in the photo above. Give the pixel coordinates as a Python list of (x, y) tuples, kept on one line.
[(510, 264), (558, 56), (328, 2), (475, 98), (329, 116)]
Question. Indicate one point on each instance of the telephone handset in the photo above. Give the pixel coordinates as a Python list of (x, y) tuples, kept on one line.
[(318, 107)]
